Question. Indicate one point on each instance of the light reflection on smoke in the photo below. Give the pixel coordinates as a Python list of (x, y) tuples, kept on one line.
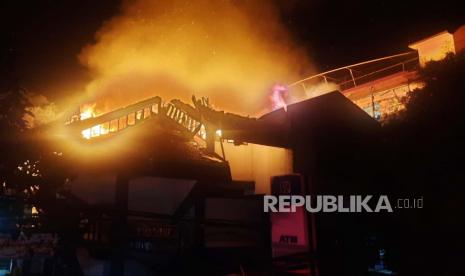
[(229, 51)]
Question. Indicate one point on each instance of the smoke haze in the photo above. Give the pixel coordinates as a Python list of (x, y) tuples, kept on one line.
[(230, 51)]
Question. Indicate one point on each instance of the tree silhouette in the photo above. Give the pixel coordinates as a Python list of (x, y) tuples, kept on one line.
[(425, 153), (14, 105)]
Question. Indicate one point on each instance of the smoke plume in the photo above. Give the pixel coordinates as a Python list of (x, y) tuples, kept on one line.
[(230, 51)]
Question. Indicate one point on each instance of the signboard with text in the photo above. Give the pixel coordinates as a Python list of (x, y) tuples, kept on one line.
[(289, 231)]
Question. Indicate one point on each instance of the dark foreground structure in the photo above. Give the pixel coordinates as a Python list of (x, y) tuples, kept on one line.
[(167, 201)]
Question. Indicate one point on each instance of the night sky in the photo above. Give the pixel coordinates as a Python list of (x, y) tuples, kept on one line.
[(41, 38)]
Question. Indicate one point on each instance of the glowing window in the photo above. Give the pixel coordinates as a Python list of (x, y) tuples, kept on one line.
[(155, 108), (146, 112), (139, 114), (170, 108), (95, 131), (131, 119), (104, 128), (114, 125), (122, 122), (86, 133)]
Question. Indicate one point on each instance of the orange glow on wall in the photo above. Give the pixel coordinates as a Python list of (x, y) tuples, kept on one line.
[(435, 47)]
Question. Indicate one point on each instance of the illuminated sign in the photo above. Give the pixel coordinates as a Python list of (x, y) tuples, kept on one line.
[(289, 234)]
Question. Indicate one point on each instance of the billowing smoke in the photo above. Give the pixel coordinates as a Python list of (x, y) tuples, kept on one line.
[(230, 51)]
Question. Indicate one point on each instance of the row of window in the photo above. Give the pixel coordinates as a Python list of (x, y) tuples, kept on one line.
[(120, 123), (131, 119)]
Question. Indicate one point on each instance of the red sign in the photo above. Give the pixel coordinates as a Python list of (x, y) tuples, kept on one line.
[(289, 231)]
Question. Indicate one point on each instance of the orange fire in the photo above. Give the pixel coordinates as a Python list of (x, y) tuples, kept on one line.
[(229, 51), (87, 111)]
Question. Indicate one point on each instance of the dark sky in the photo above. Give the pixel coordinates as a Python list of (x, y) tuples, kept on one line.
[(343, 32), (42, 38)]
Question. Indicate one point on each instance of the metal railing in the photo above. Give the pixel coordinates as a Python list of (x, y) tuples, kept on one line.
[(351, 79)]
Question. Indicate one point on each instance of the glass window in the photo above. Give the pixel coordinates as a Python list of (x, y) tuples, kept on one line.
[(114, 125), (95, 131), (122, 122), (86, 133), (131, 119), (146, 112), (139, 114), (155, 108), (104, 128)]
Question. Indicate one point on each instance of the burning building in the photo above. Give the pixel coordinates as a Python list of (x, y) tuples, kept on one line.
[(163, 180), (181, 177), (193, 174), (378, 86)]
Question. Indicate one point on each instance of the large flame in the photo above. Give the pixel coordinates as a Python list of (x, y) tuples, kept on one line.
[(230, 51), (87, 111)]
